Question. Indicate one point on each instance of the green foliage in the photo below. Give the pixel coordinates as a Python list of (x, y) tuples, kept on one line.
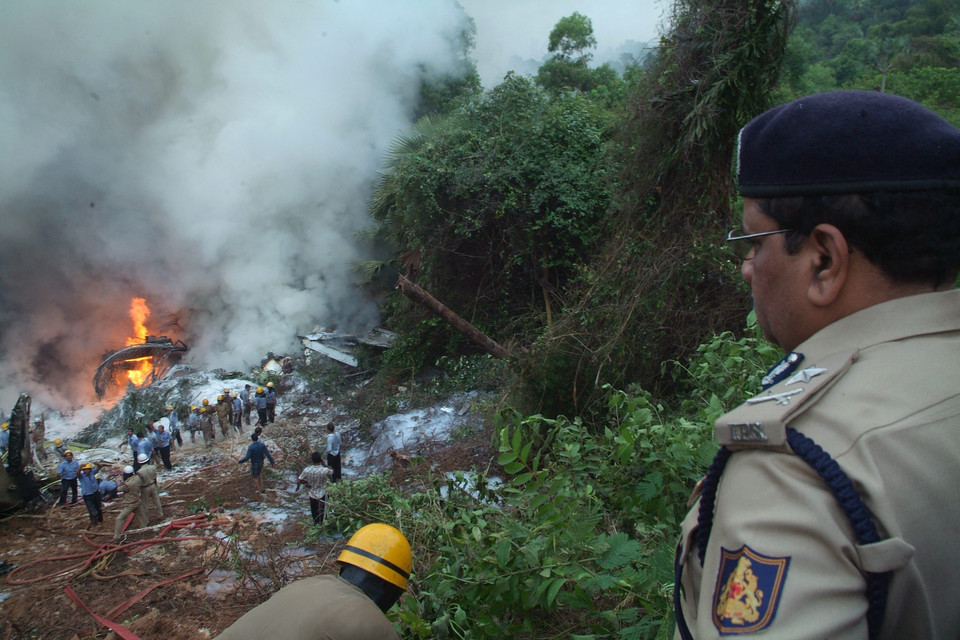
[(577, 539), (571, 36), (660, 284), (907, 48)]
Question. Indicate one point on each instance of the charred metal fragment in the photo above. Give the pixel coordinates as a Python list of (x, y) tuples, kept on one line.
[(162, 351)]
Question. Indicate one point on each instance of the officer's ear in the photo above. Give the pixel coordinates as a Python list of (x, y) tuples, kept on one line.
[(829, 259)]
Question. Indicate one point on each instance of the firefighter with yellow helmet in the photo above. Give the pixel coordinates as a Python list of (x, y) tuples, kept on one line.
[(4, 437), (206, 422), (374, 569), (260, 401)]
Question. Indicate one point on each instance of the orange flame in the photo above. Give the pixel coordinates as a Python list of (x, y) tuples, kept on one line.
[(139, 312)]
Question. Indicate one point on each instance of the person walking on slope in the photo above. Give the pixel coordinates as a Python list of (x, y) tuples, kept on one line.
[(315, 477), (247, 403), (375, 567), (131, 502), (134, 443), (271, 403), (237, 413), (228, 397), (260, 400), (206, 422), (224, 408), (164, 442), (255, 454), (68, 471), (149, 491), (333, 451), (174, 425), (193, 422), (90, 490)]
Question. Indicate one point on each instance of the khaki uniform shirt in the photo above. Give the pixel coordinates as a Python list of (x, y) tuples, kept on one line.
[(880, 392), (317, 608)]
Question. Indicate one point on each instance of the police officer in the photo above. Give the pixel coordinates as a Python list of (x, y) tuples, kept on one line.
[(374, 569), (828, 511)]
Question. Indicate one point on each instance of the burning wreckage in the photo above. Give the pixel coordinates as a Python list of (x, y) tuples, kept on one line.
[(143, 363)]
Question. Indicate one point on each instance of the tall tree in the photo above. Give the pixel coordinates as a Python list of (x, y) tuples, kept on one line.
[(659, 285)]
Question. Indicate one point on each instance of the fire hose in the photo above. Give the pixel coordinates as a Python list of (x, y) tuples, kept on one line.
[(106, 549)]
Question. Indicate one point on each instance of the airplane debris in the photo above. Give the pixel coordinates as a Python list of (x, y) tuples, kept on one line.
[(162, 350), (340, 347)]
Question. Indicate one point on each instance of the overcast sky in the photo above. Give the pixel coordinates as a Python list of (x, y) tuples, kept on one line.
[(215, 158), (512, 30)]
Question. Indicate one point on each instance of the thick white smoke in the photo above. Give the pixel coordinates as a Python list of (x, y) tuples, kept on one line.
[(213, 157)]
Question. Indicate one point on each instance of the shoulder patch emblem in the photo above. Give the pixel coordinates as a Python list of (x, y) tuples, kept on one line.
[(748, 590)]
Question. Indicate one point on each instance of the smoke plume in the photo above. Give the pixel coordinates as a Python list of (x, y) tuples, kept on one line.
[(214, 158)]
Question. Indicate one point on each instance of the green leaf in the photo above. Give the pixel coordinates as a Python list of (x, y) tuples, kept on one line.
[(554, 590)]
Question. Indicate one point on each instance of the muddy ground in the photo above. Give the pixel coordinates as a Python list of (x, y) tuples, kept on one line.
[(177, 578)]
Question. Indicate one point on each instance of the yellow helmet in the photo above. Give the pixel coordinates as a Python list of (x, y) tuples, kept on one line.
[(86, 465), (193, 407), (259, 389), (58, 442), (4, 426), (381, 550), (205, 402), (169, 407), (220, 398), (270, 385)]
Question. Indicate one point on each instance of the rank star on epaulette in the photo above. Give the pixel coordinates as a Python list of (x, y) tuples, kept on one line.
[(804, 375), (748, 590)]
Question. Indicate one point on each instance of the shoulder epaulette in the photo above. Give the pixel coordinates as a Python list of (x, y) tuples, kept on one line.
[(761, 421)]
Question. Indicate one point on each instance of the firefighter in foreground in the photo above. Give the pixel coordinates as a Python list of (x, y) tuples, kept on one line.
[(374, 569)]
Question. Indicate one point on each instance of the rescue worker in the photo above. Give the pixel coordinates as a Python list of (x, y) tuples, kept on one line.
[(333, 451), (60, 447), (237, 413), (174, 425), (271, 403), (144, 449), (90, 490), (247, 403), (224, 409), (260, 400), (133, 442), (164, 441), (108, 489), (827, 511), (4, 437), (255, 454), (149, 491), (315, 477), (228, 397), (206, 422), (193, 422), (375, 567), (68, 471), (39, 438), (131, 503)]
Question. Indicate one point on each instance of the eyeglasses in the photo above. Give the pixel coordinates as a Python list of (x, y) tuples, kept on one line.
[(740, 242)]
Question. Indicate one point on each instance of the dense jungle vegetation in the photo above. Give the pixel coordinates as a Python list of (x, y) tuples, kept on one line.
[(576, 218)]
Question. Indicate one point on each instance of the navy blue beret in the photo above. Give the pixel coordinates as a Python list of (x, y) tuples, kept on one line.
[(847, 142)]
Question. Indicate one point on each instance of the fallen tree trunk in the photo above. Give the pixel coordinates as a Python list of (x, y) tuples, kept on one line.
[(415, 293)]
